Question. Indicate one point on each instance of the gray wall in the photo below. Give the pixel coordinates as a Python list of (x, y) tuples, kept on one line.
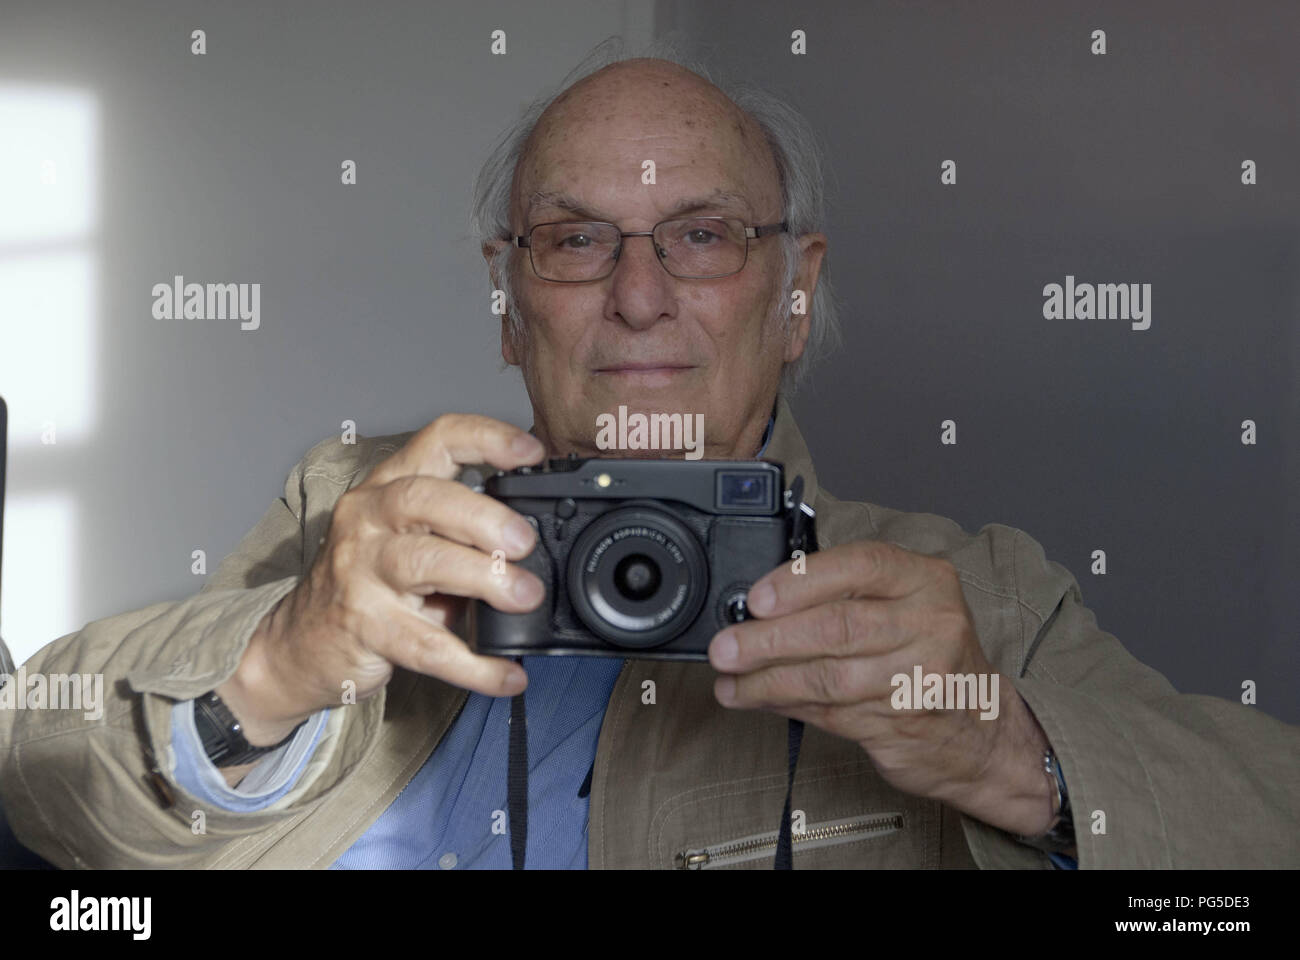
[(1084, 433), (1118, 168)]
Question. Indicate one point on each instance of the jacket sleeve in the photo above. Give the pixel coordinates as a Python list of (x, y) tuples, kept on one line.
[(100, 791), (1156, 778)]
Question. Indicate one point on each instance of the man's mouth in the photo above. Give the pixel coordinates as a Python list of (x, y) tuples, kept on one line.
[(652, 367), (654, 375)]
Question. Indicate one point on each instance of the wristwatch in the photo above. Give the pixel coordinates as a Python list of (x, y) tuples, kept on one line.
[(1060, 837), (223, 737)]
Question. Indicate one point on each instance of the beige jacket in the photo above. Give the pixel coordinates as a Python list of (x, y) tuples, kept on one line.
[(1176, 780)]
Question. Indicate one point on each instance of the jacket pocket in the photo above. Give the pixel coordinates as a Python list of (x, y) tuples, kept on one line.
[(827, 833)]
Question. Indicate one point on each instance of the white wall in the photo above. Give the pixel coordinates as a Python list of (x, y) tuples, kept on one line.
[(125, 160)]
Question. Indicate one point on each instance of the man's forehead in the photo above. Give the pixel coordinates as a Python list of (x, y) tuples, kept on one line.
[(722, 199)]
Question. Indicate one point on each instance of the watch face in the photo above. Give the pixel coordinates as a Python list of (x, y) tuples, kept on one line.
[(222, 741)]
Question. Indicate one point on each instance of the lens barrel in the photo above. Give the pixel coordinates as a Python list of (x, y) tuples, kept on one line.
[(637, 576)]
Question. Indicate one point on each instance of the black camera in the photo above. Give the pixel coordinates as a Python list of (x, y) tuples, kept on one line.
[(646, 559)]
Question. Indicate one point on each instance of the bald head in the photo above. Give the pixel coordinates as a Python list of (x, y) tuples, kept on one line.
[(634, 103)]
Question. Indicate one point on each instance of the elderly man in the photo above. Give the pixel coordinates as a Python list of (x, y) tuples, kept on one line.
[(324, 671)]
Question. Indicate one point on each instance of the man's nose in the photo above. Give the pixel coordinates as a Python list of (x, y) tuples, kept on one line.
[(642, 289)]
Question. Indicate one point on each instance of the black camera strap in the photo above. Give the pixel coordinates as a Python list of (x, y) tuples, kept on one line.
[(803, 536), (784, 841), (517, 779)]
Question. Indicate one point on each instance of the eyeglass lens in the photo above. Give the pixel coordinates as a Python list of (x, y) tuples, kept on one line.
[(692, 247)]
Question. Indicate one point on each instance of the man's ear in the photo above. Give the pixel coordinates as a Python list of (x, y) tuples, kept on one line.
[(797, 337), (490, 250), (812, 248), (509, 349)]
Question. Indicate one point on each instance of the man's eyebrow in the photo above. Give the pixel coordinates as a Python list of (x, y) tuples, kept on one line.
[(718, 199)]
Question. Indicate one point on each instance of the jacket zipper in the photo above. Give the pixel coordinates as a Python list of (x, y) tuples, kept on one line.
[(827, 833)]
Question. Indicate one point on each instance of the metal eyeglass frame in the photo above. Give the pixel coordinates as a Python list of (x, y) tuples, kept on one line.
[(751, 233)]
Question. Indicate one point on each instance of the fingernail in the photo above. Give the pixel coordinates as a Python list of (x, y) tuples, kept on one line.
[(726, 690), (526, 445), (725, 649), (762, 598), (518, 535), (527, 590)]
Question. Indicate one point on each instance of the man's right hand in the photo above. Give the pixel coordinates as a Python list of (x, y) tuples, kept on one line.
[(404, 549)]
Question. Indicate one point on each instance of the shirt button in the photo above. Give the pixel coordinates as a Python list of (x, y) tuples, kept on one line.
[(447, 861)]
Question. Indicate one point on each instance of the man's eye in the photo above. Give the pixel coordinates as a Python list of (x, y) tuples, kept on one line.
[(580, 240), (701, 236)]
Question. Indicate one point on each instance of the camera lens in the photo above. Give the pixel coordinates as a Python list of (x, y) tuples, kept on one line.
[(637, 576)]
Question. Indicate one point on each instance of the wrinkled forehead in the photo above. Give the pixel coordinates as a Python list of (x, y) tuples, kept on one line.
[(587, 153)]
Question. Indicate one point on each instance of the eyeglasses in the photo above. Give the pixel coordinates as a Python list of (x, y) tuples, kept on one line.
[(690, 248)]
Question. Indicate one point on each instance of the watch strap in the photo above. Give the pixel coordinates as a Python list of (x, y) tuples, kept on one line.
[(222, 735), (1060, 837)]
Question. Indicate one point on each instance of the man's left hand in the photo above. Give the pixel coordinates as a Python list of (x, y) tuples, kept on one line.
[(823, 649)]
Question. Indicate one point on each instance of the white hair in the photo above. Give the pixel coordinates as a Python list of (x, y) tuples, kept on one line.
[(796, 150)]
